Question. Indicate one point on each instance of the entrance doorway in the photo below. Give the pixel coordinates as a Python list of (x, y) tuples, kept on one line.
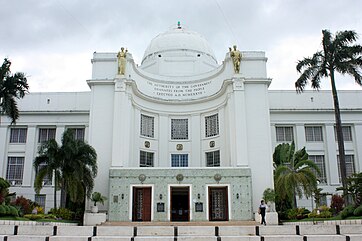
[(180, 204), (141, 210), (218, 204)]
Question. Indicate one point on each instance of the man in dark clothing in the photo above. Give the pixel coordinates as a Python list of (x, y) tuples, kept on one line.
[(262, 210)]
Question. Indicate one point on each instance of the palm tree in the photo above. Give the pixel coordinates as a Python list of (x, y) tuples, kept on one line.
[(47, 163), (338, 55), (79, 167), (74, 164), (294, 173), (11, 87)]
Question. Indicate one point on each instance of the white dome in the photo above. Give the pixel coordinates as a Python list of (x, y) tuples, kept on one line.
[(178, 52), (179, 39)]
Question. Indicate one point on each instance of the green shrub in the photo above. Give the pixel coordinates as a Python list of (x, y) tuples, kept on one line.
[(358, 211), (14, 211), (2, 210), (7, 210), (347, 212), (325, 214), (62, 213), (297, 213)]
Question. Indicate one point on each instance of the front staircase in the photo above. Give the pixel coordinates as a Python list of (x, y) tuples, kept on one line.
[(191, 232)]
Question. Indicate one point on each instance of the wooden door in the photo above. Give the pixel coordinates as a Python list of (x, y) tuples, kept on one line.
[(141, 204), (218, 204)]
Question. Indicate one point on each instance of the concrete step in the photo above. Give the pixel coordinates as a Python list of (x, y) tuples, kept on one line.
[(283, 238), (325, 237)]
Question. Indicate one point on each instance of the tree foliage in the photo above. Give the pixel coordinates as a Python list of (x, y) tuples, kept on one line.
[(12, 87), (354, 188), (74, 164), (294, 173), (339, 54)]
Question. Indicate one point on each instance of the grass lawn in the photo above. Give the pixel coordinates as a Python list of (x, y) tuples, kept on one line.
[(338, 217)]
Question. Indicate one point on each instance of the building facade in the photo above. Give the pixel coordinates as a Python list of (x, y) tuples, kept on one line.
[(181, 137)]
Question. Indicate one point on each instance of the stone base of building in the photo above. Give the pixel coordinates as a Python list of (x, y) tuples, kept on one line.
[(180, 194), (271, 218), (92, 219)]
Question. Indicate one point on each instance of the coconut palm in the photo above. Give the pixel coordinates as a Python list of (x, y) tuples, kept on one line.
[(74, 164), (294, 173), (338, 55), (11, 87)]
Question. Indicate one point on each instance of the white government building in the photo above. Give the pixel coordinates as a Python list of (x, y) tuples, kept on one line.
[(180, 137)]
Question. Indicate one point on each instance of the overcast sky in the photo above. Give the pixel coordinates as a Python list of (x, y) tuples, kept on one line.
[(52, 41)]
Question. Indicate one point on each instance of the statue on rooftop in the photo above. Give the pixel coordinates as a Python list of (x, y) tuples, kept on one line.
[(122, 61), (236, 57)]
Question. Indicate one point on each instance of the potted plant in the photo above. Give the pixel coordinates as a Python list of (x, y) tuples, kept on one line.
[(97, 197)]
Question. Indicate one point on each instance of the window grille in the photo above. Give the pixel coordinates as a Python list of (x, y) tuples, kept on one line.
[(146, 159), (78, 133), (179, 160), (179, 129), (212, 125), (313, 133), (319, 161), (46, 134), (213, 159), (15, 170), (18, 135), (349, 159), (284, 133), (147, 126)]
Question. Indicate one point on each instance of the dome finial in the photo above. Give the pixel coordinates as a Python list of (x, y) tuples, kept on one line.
[(178, 25)]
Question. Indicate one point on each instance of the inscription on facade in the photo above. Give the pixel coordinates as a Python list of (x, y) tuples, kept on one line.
[(180, 91)]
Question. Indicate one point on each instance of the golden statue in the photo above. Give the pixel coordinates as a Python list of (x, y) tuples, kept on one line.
[(236, 57), (122, 61)]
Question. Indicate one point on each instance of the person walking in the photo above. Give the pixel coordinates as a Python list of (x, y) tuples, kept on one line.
[(262, 209)]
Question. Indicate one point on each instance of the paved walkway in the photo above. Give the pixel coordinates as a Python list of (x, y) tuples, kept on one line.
[(153, 223)]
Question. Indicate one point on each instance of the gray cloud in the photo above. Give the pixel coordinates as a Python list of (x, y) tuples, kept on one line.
[(52, 41)]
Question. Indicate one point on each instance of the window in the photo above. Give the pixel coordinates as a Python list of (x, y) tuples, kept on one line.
[(47, 180), (319, 161), (349, 159), (313, 133), (78, 133), (40, 199), (146, 159), (284, 133), (147, 126), (212, 125), (347, 133), (179, 160), (18, 135), (14, 173), (213, 159), (179, 129), (46, 134)]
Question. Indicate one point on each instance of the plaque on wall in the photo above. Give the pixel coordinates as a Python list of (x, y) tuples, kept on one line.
[(199, 207), (160, 207)]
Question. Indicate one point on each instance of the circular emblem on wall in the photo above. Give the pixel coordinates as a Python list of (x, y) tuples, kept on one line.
[(212, 144), (179, 177), (217, 177), (147, 144), (179, 147), (142, 177)]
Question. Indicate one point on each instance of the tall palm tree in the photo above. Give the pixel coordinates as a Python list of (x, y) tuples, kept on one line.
[(74, 164), (294, 173), (11, 87), (338, 55)]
